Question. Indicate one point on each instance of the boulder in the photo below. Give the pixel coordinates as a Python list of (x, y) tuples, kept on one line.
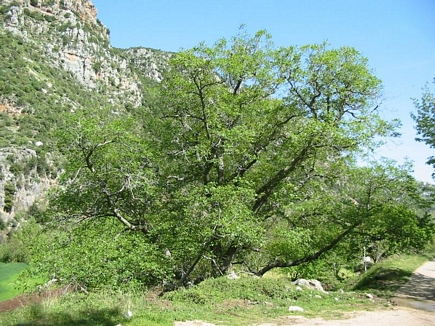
[(232, 276), (310, 284), (295, 309)]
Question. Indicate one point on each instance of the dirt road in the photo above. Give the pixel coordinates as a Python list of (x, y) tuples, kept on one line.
[(414, 305), (394, 317)]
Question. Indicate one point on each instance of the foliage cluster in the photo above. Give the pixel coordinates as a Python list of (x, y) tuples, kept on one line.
[(9, 190)]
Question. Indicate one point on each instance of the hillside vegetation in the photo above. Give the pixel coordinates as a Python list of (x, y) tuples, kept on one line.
[(56, 58)]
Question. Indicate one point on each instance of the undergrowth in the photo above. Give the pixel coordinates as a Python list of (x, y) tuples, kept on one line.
[(220, 301)]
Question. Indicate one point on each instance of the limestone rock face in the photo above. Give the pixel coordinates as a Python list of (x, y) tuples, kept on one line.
[(72, 41), (85, 10), (20, 182), (150, 62), (72, 37)]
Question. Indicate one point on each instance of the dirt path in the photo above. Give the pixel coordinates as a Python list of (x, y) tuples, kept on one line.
[(418, 294), (414, 305), (421, 286), (393, 317), (29, 299)]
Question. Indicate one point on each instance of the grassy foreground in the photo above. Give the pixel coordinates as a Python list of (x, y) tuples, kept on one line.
[(246, 301), (8, 275), (385, 278)]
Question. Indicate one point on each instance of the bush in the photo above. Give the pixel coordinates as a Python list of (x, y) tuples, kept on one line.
[(246, 288), (19, 246), (9, 190), (16, 168), (99, 255), (4, 9), (65, 40)]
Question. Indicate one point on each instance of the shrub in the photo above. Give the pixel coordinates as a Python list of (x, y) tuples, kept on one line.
[(246, 288), (19, 246), (65, 40), (16, 168), (4, 9), (9, 190)]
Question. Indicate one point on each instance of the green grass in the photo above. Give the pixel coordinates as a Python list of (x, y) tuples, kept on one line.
[(220, 301), (8, 275), (387, 276)]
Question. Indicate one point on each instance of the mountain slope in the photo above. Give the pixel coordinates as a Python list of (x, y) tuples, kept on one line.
[(56, 57)]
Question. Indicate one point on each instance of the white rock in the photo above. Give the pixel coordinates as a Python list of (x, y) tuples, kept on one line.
[(369, 296), (192, 323), (310, 284), (168, 253), (295, 308), (298, 288), (232, 276), (128, 314), (39, 143)]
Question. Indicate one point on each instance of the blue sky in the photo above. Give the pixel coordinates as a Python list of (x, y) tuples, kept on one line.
[(397, 36)]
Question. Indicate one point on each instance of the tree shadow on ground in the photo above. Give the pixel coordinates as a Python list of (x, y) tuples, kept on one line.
[(419, 286), (93, 317), (403, 283), (383, 279)]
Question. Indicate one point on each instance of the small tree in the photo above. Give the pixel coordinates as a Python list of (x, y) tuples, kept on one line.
[(425, 119)]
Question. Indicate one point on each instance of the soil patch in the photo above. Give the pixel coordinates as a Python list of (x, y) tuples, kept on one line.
[(32, 298), (392, 317)]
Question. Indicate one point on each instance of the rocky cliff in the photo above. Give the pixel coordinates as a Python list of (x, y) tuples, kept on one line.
[(56, 56), (69, 34)]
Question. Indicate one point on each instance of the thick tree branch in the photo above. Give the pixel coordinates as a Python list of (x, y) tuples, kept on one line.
[(260, 145), (266, 190), (316, 255)]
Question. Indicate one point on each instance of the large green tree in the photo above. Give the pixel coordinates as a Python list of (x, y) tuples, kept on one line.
[(425, 119), (247, 157), (249, 125)]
